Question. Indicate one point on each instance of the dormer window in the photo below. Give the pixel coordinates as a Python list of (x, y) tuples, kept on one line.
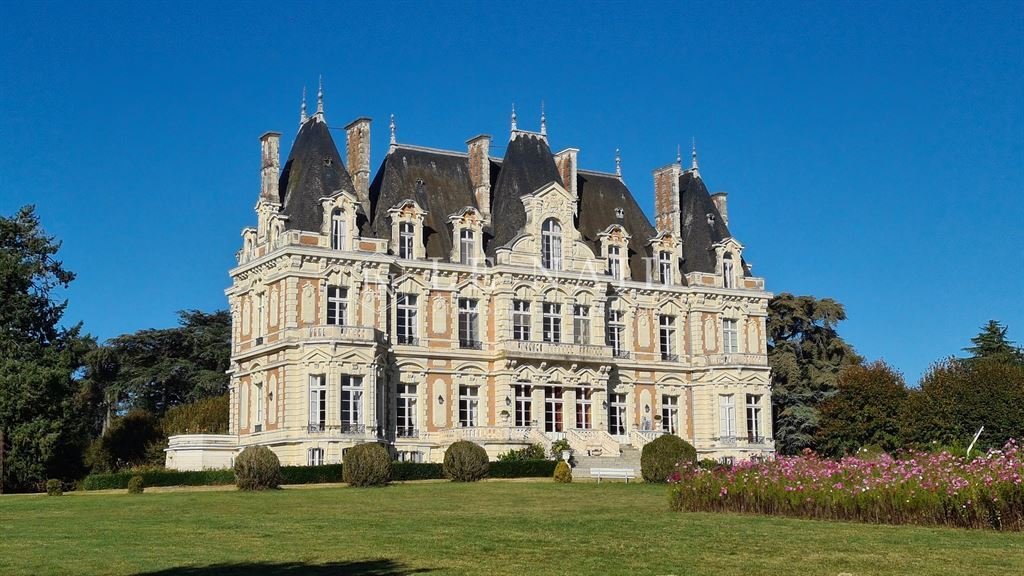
[(467, 245), (338, 230), (551, 245), (727, 271), (405, 240), (615, 262), (665, 266), (620, 213)]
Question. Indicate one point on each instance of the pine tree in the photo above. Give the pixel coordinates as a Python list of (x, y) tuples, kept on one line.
[(992, 343)]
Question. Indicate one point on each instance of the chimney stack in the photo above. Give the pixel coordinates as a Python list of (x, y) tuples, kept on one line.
[(357, 144), (480, 172), (666, 199), (719, 198), (565, 161), (270, 145)]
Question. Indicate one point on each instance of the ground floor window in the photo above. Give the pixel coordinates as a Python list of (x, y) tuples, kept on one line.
[(670, 414), (351, 403), (524, 405), (406, 410), (617, 414), (584, 402), (317, 402), (553, 409), (315, 457), (469, 406)]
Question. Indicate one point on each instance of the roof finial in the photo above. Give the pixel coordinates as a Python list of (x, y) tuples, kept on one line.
[(543, 120), (513, 116), (302, 109), (618, 163), (393, 130), (320, 97), (694, 154), (679, 154)]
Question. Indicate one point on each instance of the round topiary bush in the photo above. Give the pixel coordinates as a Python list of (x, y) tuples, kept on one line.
[(257, 468), (366, 465), (136, 485), (563, 473), (54, 487), (660, 456), (465, 462)]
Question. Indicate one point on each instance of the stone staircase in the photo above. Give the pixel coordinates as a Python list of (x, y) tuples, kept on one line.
[(630, 458)]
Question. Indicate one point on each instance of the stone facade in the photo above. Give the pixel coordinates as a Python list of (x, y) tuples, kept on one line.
[(361, 331)]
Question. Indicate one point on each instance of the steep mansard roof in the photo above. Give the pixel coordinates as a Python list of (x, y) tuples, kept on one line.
[(698, 233), (600, 194), (314, 170), (528, 165)]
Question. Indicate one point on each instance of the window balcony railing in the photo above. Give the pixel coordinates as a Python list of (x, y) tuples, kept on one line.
[(621, 354), (407, 340), (756, 439), (737, 359), (670, 357), (727, 441), (407, 432), (352, 428), (547, 349), (344, 428), (316, 428), (470, 344)]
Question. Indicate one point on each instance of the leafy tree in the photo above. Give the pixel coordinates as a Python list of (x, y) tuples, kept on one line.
[(157, 369), (993, 343), (806, 355), (127, 443), (41, 404), (206, 416), (865, 410)]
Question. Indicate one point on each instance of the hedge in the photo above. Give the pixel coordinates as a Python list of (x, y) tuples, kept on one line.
[(523, 469), (326, 474), (405, 471), (150, 478)]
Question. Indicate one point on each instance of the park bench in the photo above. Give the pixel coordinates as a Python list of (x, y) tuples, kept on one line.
[(617, 473)]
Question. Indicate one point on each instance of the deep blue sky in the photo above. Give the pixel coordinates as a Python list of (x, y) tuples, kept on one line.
[(872, 151)]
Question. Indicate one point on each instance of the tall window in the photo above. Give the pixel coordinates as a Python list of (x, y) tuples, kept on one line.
[(317, 402), (315, 457), (615, 262), (551, 245), (524, 405), (521, 320), (553, 409), (727, 270), (405, 239), (469, 405), (467, 245), (351, 403), (406, 316), (665, 266), (584, 403), (753, 417), (616, 332), (338, 231), (617, 414), (730, 337), (581, 324), (258, 391), (259, 315), (667, 337), (726, 416), (552, 322), (469, 320), (670, 414), (337, 307), (406, 411)]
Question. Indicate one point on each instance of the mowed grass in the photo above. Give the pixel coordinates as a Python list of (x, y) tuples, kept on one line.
[(520, 528)]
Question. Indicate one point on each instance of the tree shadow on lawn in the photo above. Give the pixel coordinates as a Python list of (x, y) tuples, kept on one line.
[(359, 568)]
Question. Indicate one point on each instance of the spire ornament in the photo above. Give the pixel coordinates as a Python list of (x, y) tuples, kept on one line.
[(320, 98), (694, 156), (302, 109), (514, 117), (679, 154), (618, 163), (543, 120), (393, 140)]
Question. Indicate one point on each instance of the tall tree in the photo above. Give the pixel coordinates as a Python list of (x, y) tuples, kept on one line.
[(806, 355), (865, 410), (992, 343), (40, 397)]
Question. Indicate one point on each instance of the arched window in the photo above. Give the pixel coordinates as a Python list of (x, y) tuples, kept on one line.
[(338, 231), (727, 271), (551, 245)]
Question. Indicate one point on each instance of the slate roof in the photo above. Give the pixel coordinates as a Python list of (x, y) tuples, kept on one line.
[(600, 194), (528, 165), (698, 234), (314, 170)]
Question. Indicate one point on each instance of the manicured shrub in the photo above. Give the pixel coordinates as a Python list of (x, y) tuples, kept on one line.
[(323, 474), (205, 416), (659, 457), (465, 461), (367, 464), (563, 473), (136, 485), (54, 487), (405, 471), (531, 452), (119, 480), (522, 469), (257, 468)]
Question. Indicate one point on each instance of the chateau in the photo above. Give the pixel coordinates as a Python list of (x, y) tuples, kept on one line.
[(504, 300)]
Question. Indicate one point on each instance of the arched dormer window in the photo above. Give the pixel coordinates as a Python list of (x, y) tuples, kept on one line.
[(467, 245), (665, 266), (728, 271), (551, 245), (339, 231)]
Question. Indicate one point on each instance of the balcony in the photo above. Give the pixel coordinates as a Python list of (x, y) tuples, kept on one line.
[(670, 357), (341, 333), (737, 359), (346, 428), (621, 354), (470, 344), (407, 432), (401, 340), (555, 350)]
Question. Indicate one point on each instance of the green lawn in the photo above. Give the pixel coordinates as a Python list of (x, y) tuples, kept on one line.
[(515, 528)]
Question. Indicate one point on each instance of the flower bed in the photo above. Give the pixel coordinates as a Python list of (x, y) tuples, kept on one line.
[(917, 488)]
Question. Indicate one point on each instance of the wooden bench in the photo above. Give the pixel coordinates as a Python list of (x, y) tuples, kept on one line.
[(617, 473)]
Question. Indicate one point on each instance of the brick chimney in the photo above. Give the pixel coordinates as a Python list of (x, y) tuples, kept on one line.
[(666, 199), (270, 167), (566, 163), (719, 198), (357, 144), (480, 172)]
